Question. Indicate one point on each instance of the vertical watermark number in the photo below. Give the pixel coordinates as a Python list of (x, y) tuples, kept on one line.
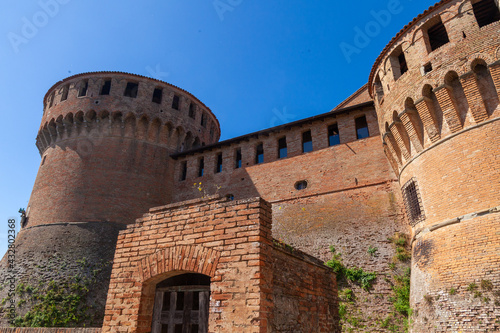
[(11, 277)]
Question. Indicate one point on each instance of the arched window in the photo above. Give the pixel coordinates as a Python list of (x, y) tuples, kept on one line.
[(181, 304)]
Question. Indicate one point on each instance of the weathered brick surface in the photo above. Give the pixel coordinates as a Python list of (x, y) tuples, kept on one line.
[(230, 242), (48, 330), (454, 160)]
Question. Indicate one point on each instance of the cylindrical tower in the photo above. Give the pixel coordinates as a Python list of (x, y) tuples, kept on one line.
[(105, 142), (436, 87)]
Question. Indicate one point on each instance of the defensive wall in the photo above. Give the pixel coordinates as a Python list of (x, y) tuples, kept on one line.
[(436, 88)]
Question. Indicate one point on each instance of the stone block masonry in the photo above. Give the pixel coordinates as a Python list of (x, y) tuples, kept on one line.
[(252, 281)]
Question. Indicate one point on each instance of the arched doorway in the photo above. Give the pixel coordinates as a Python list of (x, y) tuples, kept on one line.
[(181, 304)]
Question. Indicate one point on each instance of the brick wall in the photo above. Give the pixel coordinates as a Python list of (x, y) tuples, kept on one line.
[(230, 241), (304, 294), (48, 330)]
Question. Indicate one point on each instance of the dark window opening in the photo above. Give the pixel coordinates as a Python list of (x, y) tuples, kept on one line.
[(403, 66), (486, 12), (43, 160), (84, 85), (301, 185), (106, 88), (427, 68), (65, 92), (218, 167), (333, 135), (237, 159), (183, 170), (201, 167), (157, 95), (131, 89), (412, 201), (307, 143), (259, 154), (230, 197), (362, 128), (175, 103), (191, 110), (203, 121), (282, 149), (437, 35)]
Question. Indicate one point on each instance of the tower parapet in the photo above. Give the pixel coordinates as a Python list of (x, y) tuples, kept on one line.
[(436, 88)]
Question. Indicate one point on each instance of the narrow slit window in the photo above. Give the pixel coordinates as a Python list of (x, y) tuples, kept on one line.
[(84, 85), (175, 103), (192, 110), (203, 121), (333, 135), (183, 171), (413, 202), (362, 128), (437, 36), (64, 95), (379, 89), (201, 167), (131, 89), (237, 159), (106, 88), (218, 167), (282, 149), (486, 12), (157, 95), (307, 142), (403, 66), (259, 154)]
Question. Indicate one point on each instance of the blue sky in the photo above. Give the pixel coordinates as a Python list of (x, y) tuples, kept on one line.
[(255, 63)]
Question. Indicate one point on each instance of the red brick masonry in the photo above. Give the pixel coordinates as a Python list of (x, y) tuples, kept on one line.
[(256, 286)]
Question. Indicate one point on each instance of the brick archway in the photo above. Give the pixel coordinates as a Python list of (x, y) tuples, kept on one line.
[(166, 263), (192, 258)]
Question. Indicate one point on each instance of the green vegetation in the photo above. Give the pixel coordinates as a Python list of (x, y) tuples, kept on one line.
[(354, 274), (453, 291), (401, 288), (372, 251), (61, 303), (472, 286), (486, 285)]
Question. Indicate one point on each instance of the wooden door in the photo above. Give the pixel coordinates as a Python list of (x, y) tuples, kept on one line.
[(182, 309)]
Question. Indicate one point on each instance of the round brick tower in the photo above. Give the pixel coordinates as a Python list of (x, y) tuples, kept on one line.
[(436, 88), (105, 142)]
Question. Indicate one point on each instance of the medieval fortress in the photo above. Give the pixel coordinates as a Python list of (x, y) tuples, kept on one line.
[(169, 230)]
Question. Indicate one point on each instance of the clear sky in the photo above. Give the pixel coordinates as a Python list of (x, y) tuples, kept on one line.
[(255, 63)]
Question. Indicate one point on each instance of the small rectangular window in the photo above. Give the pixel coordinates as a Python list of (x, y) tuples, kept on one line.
[(175, 103), (84, 85), (361, 128), (203, 121), (307, 142), (64, 95), (486, 12), (437, 35), (192, 111), (333, 135), (106, 88), (183, 170), (131, 89), (218, 167), (259, 154), (413, 202), (201, 167), (237, 159), (282, 149), (157, 95)]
